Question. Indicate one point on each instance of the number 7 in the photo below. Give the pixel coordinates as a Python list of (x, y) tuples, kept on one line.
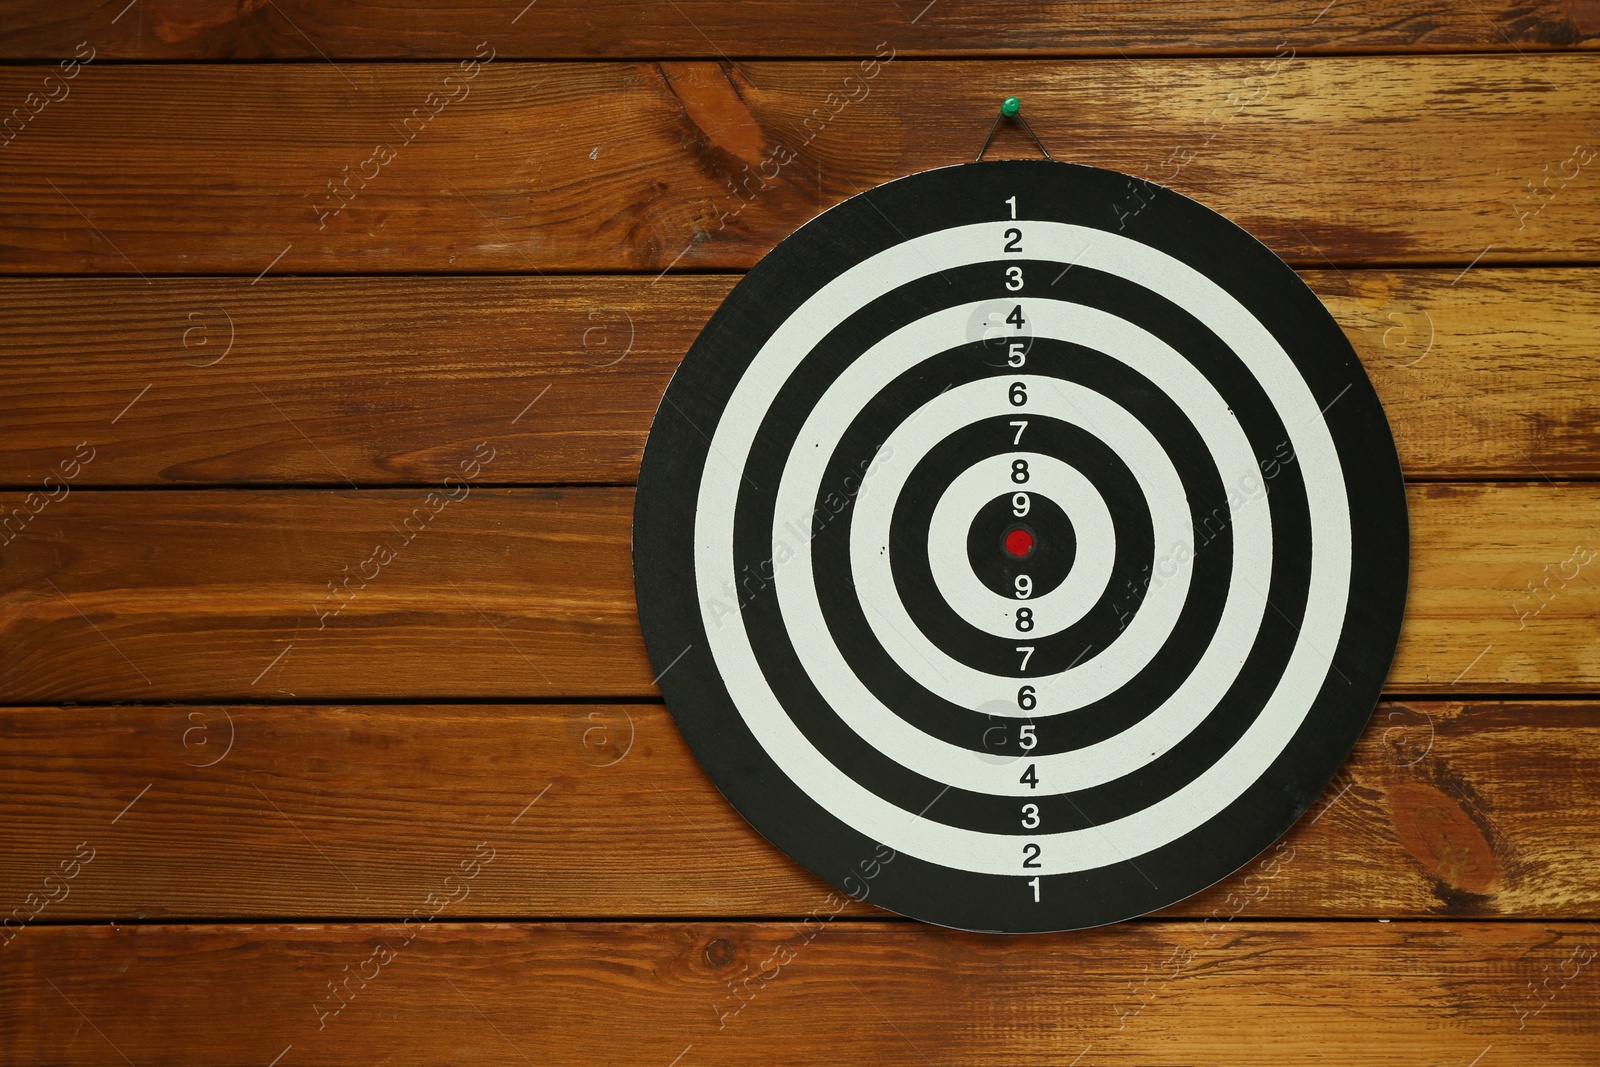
[(1027, 654), (1020, 424)]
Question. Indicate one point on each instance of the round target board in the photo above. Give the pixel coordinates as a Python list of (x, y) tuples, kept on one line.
[(1016, 562)]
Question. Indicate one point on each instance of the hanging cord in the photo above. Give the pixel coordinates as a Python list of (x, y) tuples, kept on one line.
[(1011, 108)]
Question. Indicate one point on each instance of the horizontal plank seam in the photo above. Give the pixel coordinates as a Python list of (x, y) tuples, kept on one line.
[(369, 486), (636, 699), (320, 487), (420, 702), (1320, 264), (1542, 48), (1373, 267), (752, 920)]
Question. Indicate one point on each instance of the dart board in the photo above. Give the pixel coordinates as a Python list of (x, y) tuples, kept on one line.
[(1017, 561)]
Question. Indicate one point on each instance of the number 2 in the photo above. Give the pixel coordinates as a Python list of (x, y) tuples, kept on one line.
[(1030, 855), (1013, 240)]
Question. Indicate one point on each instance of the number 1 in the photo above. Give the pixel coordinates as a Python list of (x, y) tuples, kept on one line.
[(1013, 202), (1034, 881)]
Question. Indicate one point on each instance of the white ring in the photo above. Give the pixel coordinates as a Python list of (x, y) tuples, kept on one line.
[(879, 725), (1048, 479), (1214, 788), (1099, 674)]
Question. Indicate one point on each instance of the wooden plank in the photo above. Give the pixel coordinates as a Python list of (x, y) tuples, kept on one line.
[(710, 29), (383, 381), (890, 993), (261, 595), (1487, 374), (324, 595), (1503, 593), (1444, 810), (394, 168), (323, 380)]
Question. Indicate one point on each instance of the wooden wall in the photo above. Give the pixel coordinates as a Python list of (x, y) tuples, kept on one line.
[(271, 271)]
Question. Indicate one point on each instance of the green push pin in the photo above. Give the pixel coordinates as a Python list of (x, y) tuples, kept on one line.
[(1011, 108)]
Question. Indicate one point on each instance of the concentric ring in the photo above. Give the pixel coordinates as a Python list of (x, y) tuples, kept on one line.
[(949, 530), (1137, 772)]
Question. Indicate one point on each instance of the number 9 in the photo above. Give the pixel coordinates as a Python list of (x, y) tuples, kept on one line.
[(1020, 504), (1024, 586)]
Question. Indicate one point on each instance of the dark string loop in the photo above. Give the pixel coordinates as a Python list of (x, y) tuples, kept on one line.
[(1012, 109)]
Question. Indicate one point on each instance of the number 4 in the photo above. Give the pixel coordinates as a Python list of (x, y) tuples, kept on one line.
[(1020, 424)]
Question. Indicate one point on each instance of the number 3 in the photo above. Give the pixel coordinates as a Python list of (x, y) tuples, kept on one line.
[(1013, 278)]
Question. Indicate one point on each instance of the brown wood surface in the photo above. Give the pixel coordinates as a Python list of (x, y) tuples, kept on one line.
[(229, 594), (145, 170), (1144, 993), (384, 381), (1444, 810), (558, 29), (501, 592), (254, 315)]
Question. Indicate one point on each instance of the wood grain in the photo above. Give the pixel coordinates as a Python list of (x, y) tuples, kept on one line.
[(384, 381), (1487, 374), (146, 170), (599, 810), (231, 294), (1135, 994), (230, 594), (319, 380), (710, 29)]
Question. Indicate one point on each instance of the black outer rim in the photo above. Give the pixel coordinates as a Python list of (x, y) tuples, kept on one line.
[(670, 612)]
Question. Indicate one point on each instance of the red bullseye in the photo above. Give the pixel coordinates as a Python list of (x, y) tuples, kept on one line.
[(1019, 544)]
